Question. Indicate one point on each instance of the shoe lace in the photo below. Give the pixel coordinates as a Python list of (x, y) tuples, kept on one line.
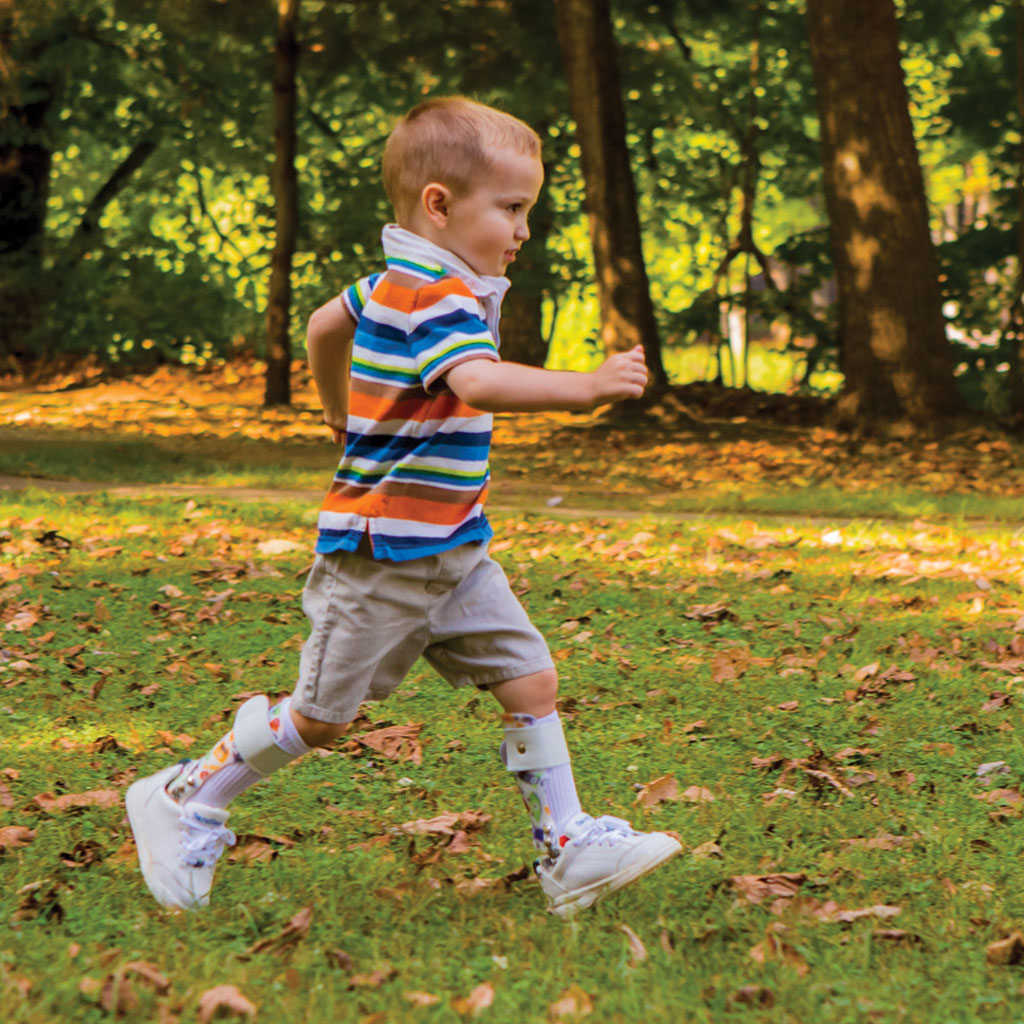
[(606, 829), (202, 844)]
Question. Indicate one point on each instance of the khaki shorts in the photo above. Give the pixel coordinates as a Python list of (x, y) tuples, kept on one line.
[(371, 620)]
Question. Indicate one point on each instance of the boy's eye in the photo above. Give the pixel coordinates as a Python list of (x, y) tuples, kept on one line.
[(515, 207)]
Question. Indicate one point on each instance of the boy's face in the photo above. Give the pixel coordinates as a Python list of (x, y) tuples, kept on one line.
[(486, 227)]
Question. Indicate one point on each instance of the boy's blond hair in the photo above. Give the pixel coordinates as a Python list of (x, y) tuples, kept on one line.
[(447, 140)]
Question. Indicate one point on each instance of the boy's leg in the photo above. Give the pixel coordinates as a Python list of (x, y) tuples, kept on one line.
[(178, 815), (582, 858)]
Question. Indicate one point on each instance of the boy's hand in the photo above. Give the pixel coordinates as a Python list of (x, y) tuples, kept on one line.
[(337, 426), (623, 375)]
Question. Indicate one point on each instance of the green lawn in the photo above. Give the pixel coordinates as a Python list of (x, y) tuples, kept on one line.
[(871, 670)]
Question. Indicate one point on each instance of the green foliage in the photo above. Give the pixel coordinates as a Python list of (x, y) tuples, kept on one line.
[(717, 96)]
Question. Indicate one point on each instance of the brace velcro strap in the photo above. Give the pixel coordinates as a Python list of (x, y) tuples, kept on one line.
[(255, 739), (530, 748)]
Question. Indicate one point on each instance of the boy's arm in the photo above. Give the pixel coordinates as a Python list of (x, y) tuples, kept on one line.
[(329, 347), (512, 387)]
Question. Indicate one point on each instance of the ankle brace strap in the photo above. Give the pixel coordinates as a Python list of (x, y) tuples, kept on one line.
[(255, 739), (530, 748)]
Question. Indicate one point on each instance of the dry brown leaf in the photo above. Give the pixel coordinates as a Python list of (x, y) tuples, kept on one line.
[(421, 999), (446, 824), (223, 997), (707, 850), (637, 950), (573, 1004), (13, 837), (697, 795), (292, 933), (760, 887), (150, 973), (831, 912), (658, 791), (1006, 951), (883, 841), (91, 798), (752, 995), (477, 1001), (374, 979), (773, 948), (396, 742)]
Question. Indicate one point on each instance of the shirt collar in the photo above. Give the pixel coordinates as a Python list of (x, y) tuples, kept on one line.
[(413, 253)]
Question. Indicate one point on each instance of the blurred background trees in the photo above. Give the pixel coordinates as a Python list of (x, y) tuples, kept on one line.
[(140, 208)]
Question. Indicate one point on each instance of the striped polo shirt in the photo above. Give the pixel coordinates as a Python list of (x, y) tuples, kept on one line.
[(415, 473)]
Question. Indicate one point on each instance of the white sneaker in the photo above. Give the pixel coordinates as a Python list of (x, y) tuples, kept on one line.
[(178, 844), (597, 857)]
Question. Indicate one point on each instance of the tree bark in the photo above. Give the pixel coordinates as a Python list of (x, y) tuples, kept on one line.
[(1015, 328), (25, 161), (588, 48), (277, 384), (894, 353), (522, 337)]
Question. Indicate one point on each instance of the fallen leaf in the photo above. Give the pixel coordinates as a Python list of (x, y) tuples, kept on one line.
[(477, 1001), (637, 950), (374, 979), (150, 973), (292, 933), (421, 999), (658, 791), (883, 841), (760, 887), (773, 948), (396, 742), (707, 850), (752, 995), (572, 1004), (446, 824), (223, 997), (13, 837), (280, 547), (1006, 951), (697, 795), (91, 798), (833, 913)]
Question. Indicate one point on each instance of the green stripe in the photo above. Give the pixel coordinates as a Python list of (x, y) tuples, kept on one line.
[(427, 268)]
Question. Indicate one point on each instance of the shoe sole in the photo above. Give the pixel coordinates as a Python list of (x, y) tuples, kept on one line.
[(135, 803), (571, 902)]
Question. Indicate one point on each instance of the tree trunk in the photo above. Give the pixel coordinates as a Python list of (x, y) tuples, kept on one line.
[(277, 386), (522, 337), (1015, 329), (588, 50), (894, 353), (25, 160)]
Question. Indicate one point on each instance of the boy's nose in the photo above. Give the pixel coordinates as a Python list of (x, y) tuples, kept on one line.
[(523, 231)]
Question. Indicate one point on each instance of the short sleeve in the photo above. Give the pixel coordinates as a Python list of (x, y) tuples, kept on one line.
[(446, 329), (355, 297)]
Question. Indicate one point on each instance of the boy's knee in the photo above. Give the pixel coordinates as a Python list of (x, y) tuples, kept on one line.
[(315, 733), (532, 695)]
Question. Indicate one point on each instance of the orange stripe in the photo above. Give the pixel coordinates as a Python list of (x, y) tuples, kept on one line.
[(378, 407), (434, 513)]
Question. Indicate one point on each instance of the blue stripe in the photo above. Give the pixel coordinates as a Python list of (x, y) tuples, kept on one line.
[(459, 444), (405, 549), (431, 332), (387, 334)]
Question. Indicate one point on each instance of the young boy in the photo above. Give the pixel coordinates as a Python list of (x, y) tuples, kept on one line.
[(407, 368)]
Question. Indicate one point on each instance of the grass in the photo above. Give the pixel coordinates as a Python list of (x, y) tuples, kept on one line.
[(686, 648)]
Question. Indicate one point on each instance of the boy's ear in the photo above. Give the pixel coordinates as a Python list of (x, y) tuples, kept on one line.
[(435, 200)]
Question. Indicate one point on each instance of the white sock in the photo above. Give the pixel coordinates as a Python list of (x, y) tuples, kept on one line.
[(546, 792), (221, 774)]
